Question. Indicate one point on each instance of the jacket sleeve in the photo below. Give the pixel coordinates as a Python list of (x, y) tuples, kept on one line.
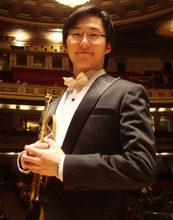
[(131, 167)]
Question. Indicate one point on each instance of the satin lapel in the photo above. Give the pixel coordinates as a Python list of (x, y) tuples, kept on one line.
[(84, 109)]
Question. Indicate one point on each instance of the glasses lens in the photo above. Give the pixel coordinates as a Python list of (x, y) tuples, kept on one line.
[(76, 35), (94, 36)]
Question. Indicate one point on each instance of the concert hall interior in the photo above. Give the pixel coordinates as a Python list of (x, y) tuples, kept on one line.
[(33, 61)]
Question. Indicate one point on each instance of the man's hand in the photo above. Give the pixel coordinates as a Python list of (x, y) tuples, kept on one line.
[(42, 158)]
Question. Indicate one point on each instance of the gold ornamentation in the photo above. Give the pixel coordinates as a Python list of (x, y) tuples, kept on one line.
[(36, 91)]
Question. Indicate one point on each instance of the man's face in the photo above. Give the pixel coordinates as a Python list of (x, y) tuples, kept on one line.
[(87, 54)]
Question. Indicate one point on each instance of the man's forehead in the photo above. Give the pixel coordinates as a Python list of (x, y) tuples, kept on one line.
[(89, 21)]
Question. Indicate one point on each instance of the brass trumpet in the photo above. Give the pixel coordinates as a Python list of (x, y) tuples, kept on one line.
[(40, 181)]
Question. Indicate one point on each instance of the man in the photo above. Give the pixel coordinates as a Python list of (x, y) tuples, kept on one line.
[(104, 142)]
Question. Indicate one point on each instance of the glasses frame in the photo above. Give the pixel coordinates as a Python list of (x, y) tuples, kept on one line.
[(86, 34)]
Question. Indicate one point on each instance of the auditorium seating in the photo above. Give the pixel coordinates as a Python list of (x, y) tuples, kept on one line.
[(150, 79), (33, 76), (51, 77)]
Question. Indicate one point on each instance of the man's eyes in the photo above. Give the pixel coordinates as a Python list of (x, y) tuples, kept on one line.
[(92, 34), (77, 34)]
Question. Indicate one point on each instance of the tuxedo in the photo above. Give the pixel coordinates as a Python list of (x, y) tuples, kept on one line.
[(109, 147)]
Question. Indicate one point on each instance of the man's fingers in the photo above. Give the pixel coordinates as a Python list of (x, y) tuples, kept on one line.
[(49, 141), (33, 151), (49, 135), (34, 146)]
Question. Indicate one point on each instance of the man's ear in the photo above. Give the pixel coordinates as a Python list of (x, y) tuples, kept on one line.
[(108, 48), (65, 48)]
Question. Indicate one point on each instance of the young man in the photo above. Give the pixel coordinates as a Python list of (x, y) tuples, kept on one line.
[(104, 142)]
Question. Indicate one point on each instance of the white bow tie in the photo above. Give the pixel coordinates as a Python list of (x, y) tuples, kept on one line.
[(81, 80)]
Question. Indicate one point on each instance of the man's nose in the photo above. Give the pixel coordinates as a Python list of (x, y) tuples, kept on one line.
[(84, 40)]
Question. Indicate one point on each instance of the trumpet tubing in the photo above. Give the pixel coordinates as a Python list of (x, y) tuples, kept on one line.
[(47, 126), (46, 121)]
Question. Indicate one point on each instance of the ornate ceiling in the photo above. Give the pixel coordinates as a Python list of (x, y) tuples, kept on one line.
[(42, 17)]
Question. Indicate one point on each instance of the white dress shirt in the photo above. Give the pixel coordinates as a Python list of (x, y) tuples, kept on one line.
[(67, 107)]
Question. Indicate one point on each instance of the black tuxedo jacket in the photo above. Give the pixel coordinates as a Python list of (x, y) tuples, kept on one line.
[(110, 147)]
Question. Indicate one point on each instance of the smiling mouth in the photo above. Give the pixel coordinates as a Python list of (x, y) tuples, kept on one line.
[(83, 52)]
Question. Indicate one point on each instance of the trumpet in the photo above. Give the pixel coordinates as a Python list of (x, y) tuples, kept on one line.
[(40, 181)]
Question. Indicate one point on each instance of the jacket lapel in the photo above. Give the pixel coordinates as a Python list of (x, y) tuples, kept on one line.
[(84, 110)]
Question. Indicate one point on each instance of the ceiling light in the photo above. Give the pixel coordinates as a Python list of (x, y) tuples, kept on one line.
[(72, 3), (56, 37), (152, 109), (161, 109)]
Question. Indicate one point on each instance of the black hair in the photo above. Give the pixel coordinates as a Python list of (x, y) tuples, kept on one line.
[(92, 10)]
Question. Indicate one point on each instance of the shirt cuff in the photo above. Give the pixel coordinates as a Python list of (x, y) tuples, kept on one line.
[(61, 168), (19, 164)]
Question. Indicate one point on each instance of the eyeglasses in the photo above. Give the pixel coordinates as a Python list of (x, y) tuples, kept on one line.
[(91, 36)]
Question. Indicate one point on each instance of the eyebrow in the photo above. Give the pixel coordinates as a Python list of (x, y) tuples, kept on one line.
[(91, 28)]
